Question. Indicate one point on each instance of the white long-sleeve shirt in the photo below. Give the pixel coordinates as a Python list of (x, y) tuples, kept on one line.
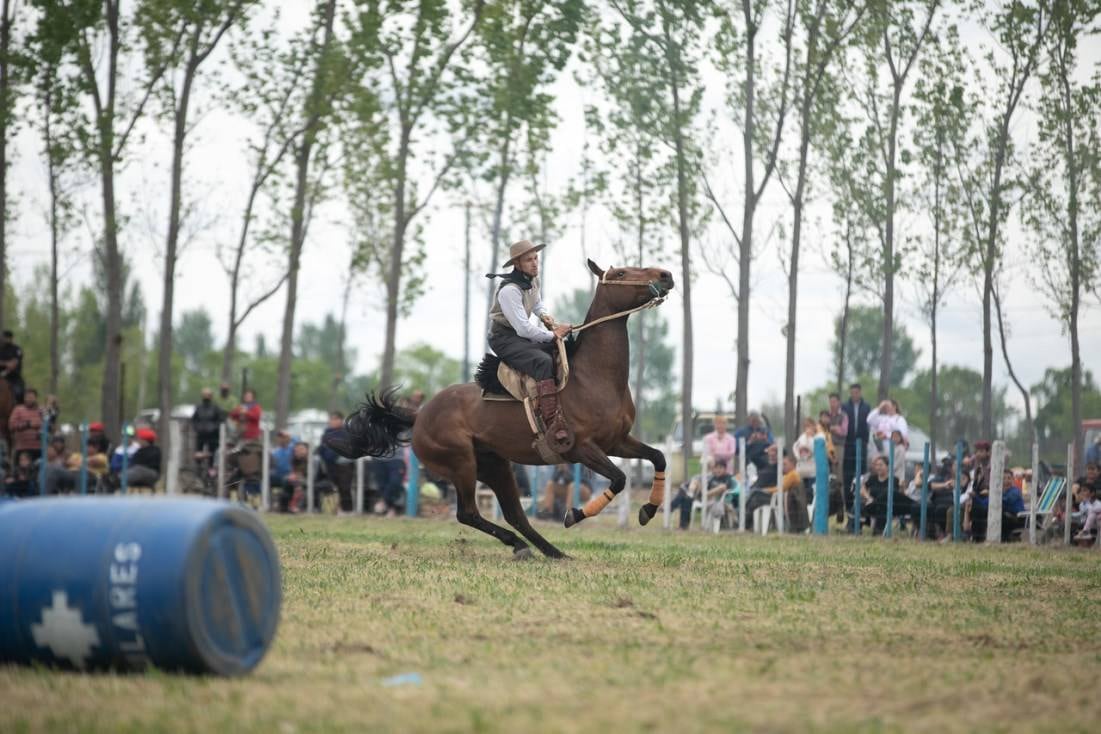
[(512, 306), (886, 424)]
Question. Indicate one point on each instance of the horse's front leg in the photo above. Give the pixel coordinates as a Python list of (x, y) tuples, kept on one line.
[(630, 447), (592, 456)]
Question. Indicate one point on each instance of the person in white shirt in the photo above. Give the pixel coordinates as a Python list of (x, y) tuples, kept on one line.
[(526, 344), (803, 449), (885, 419)]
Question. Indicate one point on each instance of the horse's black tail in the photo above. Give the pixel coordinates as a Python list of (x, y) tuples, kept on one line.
[(486, 375), (380, 426)]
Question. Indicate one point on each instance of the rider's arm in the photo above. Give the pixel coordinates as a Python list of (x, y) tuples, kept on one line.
[(512, 306)]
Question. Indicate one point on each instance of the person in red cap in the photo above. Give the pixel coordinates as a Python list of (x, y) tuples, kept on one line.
[(145, 465), (525, 344)]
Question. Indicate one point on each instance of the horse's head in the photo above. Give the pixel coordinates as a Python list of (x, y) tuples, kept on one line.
[(633, 286)]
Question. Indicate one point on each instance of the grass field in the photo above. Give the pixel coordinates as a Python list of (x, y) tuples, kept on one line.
[(642, 630)]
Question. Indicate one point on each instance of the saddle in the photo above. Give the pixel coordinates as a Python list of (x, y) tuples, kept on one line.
[(501, 383)]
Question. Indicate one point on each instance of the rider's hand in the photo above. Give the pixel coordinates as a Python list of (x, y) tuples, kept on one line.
[(562, 330)]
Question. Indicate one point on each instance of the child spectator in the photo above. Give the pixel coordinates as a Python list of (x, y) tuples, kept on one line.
[(20, 481), (803, 448), (1089, 507)]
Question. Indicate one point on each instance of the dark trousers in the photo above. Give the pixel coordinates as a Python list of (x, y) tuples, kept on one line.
[(388, 476), (682, 502), (534, 359), (342, 475)]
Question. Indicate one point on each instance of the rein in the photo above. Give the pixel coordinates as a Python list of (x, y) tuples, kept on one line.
[(659, 295)]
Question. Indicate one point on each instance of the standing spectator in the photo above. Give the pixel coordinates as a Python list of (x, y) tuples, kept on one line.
[(856, 411), (206, 422), (25, 425), (11, 365), (803, 449), (838, 427), (1093, 453), (247, 415), (825, 429), (882, 422), (339, 470), (720, 445), (145, 465)]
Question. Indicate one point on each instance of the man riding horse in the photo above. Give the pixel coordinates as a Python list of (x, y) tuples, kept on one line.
[(527, 345)]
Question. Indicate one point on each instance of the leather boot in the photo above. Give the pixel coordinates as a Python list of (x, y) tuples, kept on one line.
[(559, 434)]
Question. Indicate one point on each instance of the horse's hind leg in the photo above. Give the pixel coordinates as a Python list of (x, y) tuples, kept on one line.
[(496, 472), (463, 475)]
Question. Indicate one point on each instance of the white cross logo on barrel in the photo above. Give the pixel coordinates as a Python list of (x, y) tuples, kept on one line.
[(63, 631)]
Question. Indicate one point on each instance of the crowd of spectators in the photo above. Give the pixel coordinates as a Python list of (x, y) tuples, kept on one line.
[(878, 437)]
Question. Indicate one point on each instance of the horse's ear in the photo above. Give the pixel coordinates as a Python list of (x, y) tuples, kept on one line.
[(595, 269)]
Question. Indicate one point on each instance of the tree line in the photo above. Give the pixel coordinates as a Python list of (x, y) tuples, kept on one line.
[(886, 112)]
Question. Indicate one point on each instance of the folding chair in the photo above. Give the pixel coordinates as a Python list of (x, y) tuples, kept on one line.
[(1049, 496)]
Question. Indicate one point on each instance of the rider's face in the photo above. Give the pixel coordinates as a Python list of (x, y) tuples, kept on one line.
[(529, 264)]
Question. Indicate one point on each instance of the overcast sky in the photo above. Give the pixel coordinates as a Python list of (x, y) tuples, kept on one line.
[(217, 178)]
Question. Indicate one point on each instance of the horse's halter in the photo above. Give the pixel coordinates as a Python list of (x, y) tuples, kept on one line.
[(657, 297), (657, 290)]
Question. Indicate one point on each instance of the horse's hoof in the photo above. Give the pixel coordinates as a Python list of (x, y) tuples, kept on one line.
[(522, 554), (573, 516), (646, 513)]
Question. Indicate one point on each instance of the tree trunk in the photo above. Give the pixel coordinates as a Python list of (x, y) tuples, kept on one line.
[(55, 237), (466, 296), (1009, 366), (1074, 270), (686, 273), (495, 233), (989, 262), (5, 113), (397, 247), (886, 355), (165, 388), (745, 247), (790, 429), (298, 223), (341, 366), (842, 338)]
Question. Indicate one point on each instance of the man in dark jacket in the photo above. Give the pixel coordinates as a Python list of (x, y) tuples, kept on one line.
[(856, 410), (11, 365), (145, 465), (206, 422)]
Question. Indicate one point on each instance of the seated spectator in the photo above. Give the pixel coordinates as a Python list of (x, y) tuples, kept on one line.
[(1092, 477), (803, 449), (389, 473), (59, 478), (293, 495), (942, 497), (874, 494), (1089, 509), (25, 426), (720, 445), (145, 465), (558, 491), (248, 415), (20, 481), (719, 482), (281, 456), (520, 474), (1013, 505), (758, 437), (340, 471), (794, 495)]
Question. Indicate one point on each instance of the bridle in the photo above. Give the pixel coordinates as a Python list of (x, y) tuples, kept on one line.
[(658, 292)]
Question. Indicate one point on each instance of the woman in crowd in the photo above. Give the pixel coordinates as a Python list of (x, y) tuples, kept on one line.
[(803, 448), (884, 420), (874, 493)]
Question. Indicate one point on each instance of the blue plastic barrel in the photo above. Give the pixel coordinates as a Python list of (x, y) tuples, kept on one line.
[(126, 583)]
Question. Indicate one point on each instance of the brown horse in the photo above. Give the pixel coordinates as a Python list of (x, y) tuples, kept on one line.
[(463, 438)]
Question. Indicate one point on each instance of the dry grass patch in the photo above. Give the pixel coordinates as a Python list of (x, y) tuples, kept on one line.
[(642, 630)]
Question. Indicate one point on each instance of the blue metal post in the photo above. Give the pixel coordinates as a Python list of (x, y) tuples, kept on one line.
[(84, 458), (576, 485), (956, 534), (42, 463), (413, 491), (125, 456), (856, 487), (890, 487), (924, 492), (821, 487)]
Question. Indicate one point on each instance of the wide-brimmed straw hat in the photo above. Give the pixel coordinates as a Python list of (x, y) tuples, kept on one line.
[(518, 249)]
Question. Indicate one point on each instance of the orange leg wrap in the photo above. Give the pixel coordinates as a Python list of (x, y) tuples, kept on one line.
[(657, 490), (595, 505)]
